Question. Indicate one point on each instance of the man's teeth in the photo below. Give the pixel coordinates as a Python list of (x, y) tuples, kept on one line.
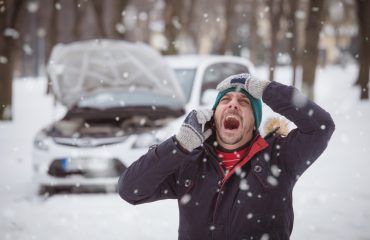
[(231, 118), (231, 122)]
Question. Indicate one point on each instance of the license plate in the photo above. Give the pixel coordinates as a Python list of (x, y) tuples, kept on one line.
[(88, 164)]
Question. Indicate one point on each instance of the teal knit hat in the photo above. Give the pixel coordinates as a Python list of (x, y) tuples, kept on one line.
[(256, 103)]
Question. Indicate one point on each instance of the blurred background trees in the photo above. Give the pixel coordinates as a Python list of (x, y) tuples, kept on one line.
[(301, 34)]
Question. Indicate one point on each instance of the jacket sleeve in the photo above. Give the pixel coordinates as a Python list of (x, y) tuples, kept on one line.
[(153, 176), (315, 126)]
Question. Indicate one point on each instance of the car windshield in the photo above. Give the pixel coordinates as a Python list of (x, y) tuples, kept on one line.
[(186, 79), (105, 100)]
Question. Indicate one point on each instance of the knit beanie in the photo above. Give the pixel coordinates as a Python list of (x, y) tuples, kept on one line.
[(256, 103)]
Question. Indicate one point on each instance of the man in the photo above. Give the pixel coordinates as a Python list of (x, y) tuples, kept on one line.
[(230, 182)]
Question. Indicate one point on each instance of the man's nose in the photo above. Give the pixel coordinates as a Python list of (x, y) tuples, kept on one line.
[(233, 105)]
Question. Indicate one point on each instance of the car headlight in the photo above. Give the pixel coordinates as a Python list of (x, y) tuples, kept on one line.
[(145, 140), (40, 142)]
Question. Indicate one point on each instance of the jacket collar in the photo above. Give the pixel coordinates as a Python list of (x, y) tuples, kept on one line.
[(257, 145)]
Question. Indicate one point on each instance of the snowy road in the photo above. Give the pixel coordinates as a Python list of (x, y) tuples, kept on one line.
[(331, 200)]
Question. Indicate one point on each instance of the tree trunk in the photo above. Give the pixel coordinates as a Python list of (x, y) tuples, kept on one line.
[(118, 27), (191, 13), (7, 48), (53, 35), (275, 15), (187, 20), (310, 55), (229, 12), (98, 9), (293, 41), (80, 10), (172, 13), (363, 10), (253, 33)]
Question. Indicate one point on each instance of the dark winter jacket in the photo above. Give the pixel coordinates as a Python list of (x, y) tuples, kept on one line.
[(253, 202)]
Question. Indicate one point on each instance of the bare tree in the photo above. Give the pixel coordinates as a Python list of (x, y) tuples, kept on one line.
[(363, 10), (293, 47), (118, 28), (187, 20), (253, 32), (98, 9), (79, 13), (9, 19), (53, 34), (310, 56), (275, 15), (172, 20), (229, 12)]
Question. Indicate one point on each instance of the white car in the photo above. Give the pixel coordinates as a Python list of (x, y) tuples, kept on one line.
[(117, 94)]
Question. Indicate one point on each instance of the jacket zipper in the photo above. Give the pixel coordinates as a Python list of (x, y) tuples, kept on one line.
[(226, 177)]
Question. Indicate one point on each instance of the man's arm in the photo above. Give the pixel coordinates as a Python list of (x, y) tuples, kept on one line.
[(315, 126), (153, 176)]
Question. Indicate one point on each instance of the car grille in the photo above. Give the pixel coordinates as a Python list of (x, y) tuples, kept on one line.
[(86, 167), (86, 142)]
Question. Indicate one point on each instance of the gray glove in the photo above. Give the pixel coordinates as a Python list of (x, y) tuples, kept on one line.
[(254, 86), (192, 133)]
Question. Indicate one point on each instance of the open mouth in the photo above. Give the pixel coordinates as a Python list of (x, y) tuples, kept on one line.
[(231, 123)]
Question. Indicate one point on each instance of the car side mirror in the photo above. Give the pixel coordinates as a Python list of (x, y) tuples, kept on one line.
[(209, 97)]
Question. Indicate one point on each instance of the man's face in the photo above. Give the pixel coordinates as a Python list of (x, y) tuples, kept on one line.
[(234, 120)]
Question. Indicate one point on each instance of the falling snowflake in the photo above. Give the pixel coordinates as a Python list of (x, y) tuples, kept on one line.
[(32, 7), (27, 49), (10, 32), (265, 236), (243, 185), (185, 199), (299, 100), (58, 6), (3, 60), (272, 181), (275, 170), (41, 32), (266, 156)]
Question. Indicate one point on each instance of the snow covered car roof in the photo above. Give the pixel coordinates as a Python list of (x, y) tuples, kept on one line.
[(81, 69), (195, 61)]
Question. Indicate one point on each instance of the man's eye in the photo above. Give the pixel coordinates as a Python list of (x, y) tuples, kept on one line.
[(225, 99), (244, 102)]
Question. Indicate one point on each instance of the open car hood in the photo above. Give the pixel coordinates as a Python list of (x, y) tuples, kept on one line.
[(81, 69)]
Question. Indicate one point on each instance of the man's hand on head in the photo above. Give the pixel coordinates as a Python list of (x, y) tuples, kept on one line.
[(193, 131), (252, 85)]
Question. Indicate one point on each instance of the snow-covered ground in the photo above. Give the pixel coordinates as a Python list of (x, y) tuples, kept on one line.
[(331, 200)]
